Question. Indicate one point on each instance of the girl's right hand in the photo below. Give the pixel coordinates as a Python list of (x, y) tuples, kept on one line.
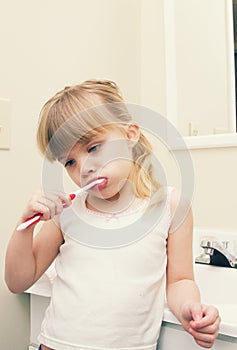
[(48, 204)]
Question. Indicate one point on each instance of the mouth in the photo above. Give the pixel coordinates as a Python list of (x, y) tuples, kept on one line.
[(100, 183)]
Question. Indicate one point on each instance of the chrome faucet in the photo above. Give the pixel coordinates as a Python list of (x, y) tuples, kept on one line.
[(216, 253)]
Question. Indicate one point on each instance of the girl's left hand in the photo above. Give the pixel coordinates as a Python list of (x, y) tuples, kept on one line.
[(202, 322)]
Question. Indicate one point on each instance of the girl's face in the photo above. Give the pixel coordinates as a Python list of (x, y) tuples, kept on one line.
[(107, 155)]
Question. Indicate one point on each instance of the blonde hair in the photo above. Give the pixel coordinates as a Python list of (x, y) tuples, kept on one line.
[(78, 112)]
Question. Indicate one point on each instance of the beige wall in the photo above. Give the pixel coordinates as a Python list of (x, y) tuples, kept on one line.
[(46, 45), (215, 200)]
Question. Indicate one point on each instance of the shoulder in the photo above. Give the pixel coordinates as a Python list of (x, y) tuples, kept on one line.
[(180, 208)]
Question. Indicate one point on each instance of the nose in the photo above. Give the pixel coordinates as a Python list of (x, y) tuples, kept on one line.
[(87, 167)]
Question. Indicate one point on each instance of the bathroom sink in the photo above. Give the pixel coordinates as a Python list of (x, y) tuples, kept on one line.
[(218, 285)]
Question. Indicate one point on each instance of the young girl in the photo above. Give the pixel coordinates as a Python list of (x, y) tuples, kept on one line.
[(115, 264)]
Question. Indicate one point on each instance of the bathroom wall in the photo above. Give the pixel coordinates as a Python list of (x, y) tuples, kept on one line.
[(45, 46)]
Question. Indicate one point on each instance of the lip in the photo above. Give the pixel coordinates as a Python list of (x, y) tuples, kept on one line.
[(99, 186)]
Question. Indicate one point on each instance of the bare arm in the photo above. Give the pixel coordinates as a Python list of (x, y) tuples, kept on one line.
[(28, 257), (181, 287), (183, 295)]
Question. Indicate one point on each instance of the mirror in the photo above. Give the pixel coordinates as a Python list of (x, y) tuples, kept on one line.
[(200, 71)]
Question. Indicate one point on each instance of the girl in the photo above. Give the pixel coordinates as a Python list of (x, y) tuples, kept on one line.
[(109, 292)]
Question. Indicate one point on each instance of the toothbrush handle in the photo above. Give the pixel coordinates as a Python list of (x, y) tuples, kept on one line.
[(29, 222), (35, 218)]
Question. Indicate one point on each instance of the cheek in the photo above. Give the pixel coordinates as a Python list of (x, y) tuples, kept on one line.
[(75, 177), (116, 150), (121, 168)]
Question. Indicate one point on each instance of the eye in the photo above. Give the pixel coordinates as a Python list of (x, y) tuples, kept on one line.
[(69, 163), (93, 148)]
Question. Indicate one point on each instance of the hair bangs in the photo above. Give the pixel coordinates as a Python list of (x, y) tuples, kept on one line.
[(79, 128)]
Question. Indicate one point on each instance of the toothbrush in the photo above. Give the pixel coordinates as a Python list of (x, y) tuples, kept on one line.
[(37, 217)]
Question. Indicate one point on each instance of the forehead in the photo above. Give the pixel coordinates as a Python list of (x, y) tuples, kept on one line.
[(102, 134)]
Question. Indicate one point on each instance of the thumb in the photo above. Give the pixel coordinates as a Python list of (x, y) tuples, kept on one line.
[(196, 312)]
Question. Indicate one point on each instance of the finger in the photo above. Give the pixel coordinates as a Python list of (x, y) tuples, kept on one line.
[(62, 202), (57, 205), (66, 201), (51, 205), (210, 316), (203, 337), (59, 198), (46, 214), (211, 328), (204, 344), (192, 311), (196, 312), (54, 205), (37, 208), (54, 201), (48, 204)]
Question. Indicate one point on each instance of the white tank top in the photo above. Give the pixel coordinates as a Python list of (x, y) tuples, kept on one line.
[(109, 293)]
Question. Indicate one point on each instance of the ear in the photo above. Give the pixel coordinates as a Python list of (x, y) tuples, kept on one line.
[(133, 134)]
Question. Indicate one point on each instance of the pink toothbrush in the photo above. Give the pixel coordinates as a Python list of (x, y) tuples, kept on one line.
[(37, 217)]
